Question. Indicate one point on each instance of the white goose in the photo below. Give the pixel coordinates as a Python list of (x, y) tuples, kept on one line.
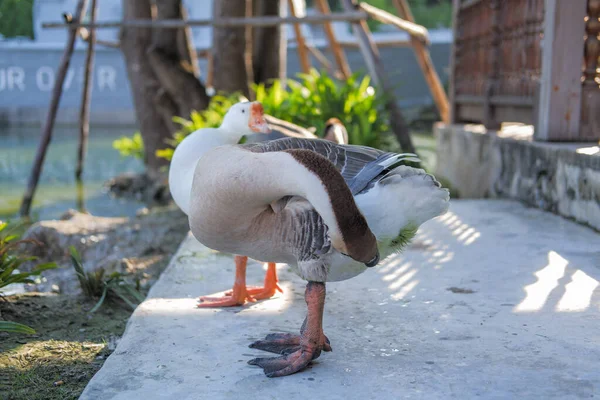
[(328, 210), (242, 119)]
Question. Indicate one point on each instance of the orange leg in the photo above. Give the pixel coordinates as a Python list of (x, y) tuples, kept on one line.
[(238, 296), (270, 287)]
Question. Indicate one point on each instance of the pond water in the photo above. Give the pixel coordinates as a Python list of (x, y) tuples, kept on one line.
[(57, 190)]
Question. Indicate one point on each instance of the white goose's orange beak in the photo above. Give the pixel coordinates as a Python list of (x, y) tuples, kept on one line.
[(257, 120)]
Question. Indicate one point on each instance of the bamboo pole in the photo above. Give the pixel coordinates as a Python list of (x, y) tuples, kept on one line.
[(383, 43), (416, 31), (248, 50), (377, 72), (187, 31), (210, 73), (301, 43), (321, 58), (424, 59), (84, 112), (80, 196), (84, 34), (334, 45), (52, 110), (274, 20)]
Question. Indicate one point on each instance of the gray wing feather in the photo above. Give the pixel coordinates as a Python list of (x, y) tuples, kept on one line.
[(359, 165), (310, 233)]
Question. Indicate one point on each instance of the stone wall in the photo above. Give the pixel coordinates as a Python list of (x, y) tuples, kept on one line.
[(560, 178)]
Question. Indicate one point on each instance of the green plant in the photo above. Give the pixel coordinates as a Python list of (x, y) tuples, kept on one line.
[(10, 261), (315, 97), (309, 102), (95, 285), (16, 18), (130, 146)]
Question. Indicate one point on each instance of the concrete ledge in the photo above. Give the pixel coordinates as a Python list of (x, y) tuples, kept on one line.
[(489, 302), (556, 177)]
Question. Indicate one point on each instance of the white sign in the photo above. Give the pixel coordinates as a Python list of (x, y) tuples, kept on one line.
[(14, 78)]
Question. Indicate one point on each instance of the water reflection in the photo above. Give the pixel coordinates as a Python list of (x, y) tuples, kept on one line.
[(58, 189)]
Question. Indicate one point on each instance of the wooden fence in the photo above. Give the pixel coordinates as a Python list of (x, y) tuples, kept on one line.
[(529, 61)]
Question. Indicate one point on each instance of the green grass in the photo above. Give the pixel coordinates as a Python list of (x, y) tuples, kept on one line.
[(69, 349)]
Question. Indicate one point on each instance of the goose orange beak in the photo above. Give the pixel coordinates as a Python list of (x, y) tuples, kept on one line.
[(257, 121)]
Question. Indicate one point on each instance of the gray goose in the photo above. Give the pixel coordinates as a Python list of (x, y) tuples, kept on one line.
[(328, 210)]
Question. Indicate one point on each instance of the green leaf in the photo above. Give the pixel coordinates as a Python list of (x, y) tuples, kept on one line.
[(14, 327), (116, 289), (99, 303), (134, 293), (38, 269), (11, 237)]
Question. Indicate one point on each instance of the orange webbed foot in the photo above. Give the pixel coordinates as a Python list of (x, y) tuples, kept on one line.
[(298, 350), (236, 297)]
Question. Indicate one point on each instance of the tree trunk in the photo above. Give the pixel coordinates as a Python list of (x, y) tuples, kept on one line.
[(144, 84), (229, 44), (181, 84), (270, 43), (162, 80)]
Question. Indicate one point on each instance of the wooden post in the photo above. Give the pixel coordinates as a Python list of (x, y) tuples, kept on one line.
[(218, 22), (248, 51), (371, 55), (210, 74), (424, 59), (321, 58), (489, 115), (590, 96), (416, 31), (80, 196), (189, 40), (452, 84), (334, 45), (300, 42), (283, 44), (86, 96), (366, 45), (52, 110), (559, 107)]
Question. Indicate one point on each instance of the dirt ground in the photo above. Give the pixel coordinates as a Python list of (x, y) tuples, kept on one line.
[(71, 344), (68, 349)]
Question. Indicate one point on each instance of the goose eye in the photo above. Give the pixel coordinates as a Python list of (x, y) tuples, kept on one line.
[(243, 111)]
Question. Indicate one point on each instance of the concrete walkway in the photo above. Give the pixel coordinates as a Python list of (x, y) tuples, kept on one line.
[(492, 301)]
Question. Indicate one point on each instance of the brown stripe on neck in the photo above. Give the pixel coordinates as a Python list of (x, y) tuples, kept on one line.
[(358, 238)]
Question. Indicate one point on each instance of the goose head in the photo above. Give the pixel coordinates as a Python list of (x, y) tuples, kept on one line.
[(245, 118), (335, 131)]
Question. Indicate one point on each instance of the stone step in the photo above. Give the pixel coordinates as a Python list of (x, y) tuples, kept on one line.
[(493, 300)]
